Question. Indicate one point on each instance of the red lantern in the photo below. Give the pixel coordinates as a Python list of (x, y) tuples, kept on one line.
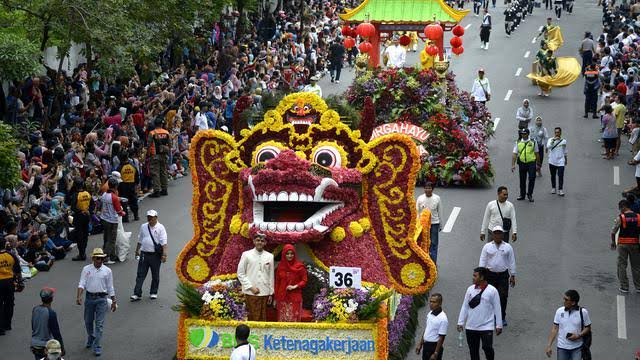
[(456, 42), (353, 33), (349, 42), (405, 40), (366, 30), (433, 31), (457, 50), (365, 47), (458, 30), (432, 50), (346, 31)]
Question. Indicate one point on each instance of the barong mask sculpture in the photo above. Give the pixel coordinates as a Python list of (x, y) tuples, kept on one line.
[(301, 176)]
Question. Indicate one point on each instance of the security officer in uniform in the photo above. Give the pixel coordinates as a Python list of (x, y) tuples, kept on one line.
[(591, 89), (159, 144), (628, 223), (127, 188), (81, 204), (528, 159), (10, 280)]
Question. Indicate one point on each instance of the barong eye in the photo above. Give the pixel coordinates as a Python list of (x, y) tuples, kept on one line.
[(327, 156), (266, 153)]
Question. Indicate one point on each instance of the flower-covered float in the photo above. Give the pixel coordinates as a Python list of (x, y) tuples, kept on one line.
[(303, 177), (457, 129)]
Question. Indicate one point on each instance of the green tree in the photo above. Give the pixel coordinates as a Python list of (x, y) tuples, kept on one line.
[(9, 163), (19, 58)]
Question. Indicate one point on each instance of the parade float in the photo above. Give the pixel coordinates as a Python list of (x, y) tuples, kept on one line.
[(303, 177)]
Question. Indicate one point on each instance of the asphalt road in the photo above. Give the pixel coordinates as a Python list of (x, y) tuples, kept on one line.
[(563, 242)]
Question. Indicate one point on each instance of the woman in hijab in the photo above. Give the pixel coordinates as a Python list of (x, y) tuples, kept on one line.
[(291, 277), (524, 115)]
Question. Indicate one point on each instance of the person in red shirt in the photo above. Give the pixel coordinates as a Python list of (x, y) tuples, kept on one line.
[(291, 278)]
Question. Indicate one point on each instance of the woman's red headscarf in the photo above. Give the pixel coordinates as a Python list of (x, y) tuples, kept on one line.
[(289, 273)]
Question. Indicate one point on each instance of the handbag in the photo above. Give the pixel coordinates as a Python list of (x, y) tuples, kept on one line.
[(506, 222), (586, 340), (156, 247), (475, 301)]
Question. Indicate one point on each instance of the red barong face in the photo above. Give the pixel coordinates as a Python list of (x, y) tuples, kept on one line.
[(318, 185)]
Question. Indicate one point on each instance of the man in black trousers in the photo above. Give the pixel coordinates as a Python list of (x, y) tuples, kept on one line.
[(336, 56)]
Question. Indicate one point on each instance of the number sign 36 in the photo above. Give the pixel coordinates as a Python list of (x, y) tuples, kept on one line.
[(345, 277)]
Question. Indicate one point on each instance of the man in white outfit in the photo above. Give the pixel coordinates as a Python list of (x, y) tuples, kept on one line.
[(256, 274), (500, 212), (396, 54), (481, 90)]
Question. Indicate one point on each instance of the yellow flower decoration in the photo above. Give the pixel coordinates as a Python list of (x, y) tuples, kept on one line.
[(197, 268), (365, 223), (412, 274), (356, 229), (338, 234), (236, 224), (244, 231)]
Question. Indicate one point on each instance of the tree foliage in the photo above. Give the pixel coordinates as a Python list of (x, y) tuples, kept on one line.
[(19, 57), (9, 163)]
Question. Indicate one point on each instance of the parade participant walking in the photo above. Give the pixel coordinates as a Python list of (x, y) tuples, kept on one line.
[(81, 204), (558, 5), (151, 252), (128, 187), (313, 86), (97, 281), (572, 326), (159, 143), (545, 29), (44, 325), (485, 29), (628, 224), (540, 135), (480, 314), (591, 89), (336, 57), (110, 210), (525, 154), (10, 281), (587, 50), (509, 15), (477, 5), (557, 151), (291, 278), (524, 115), (431, 202), (502, 213), (498, 257), (481, 89), (256, 274), (396, 54), (432, 342), (243, 350)]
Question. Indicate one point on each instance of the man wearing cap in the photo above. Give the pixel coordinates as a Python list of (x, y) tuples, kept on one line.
[(97, 281), (313, 87), (498, 257), (44, 324), (396, 55), (528, 159), (151, 234), (53, 350), (10, 278), (481, 90), (159, 146), (256, 275), (110, 210)]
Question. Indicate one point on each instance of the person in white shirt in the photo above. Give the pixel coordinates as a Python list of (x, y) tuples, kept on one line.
[(313, 87), (571, 324), (435, 330), (201, 119), (396, 55), (501, 213), (151, 233), (480, 315), (485, 30), (498, 257), (481, 89), (256, 275), (431, 202), (557, 153), (243, 350), (97, 281)]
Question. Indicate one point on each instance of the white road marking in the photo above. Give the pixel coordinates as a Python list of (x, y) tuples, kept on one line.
[(526, 55), (508, 96), (452, 219), (622, 318), (468, 26), (518, 71), (534, 40), (495, 123), (616, 175)]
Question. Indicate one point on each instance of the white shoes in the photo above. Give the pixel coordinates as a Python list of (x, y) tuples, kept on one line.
[(560, 192), (110, 262), (153, 296), (135, 298), (553, 191)]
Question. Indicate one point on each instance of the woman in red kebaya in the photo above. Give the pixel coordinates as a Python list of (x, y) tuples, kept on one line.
[(291, 277)]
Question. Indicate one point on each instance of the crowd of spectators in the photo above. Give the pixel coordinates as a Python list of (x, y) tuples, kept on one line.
[(79, 129)]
